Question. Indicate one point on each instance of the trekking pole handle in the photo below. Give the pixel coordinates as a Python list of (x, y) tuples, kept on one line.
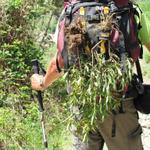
[(35, 64)]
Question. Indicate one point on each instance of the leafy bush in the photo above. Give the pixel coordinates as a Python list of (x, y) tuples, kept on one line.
[(17, 48), (18, 115), (19, 121)]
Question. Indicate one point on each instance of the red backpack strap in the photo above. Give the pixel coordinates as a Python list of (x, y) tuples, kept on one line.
[(60, 45), (60, 40)]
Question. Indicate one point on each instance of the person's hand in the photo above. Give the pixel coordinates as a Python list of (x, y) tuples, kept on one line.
[(37, 82)]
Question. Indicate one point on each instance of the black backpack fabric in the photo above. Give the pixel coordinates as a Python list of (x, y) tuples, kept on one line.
[(142, 101)]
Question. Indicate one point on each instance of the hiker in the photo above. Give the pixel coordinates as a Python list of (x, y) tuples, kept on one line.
[(123, 133)]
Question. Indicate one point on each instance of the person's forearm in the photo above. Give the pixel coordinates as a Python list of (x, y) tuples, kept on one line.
[(52, 74)]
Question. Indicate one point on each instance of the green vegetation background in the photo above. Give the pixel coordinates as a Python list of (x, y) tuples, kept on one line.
[(26, 30)]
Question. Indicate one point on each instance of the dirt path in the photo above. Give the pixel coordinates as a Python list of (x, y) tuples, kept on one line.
[(147, 80)]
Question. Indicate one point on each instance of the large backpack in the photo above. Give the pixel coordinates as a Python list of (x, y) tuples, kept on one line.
[(79, 32), (124, 35)]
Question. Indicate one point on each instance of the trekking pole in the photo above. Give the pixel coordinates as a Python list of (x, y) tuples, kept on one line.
[(40, 103)]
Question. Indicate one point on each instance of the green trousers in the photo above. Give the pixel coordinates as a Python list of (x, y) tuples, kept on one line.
[(120, 131)]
